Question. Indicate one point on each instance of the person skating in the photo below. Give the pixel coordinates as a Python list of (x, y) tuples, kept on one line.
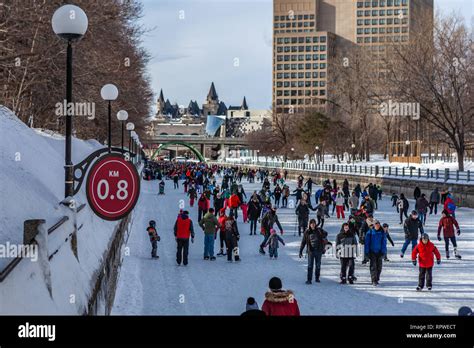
[(447, 224), (394, 200), (346, 251), (279, 302), (434, 201), (411, 227), (273, 243), (425, 250), (320, 213), (161, 188), (389, 238), (268, 221), (309, 185), (232, 237), (340, 205), (210, 225), (218, 203), (277, 195), (183, 230), (154, 238), (285, 194), (192, 195), (234, 203), (421, 206), (302, 211), (203, 206), (176, 181), (375, 248), (254, 211), (402, 207), (222, 238), (314, 239)]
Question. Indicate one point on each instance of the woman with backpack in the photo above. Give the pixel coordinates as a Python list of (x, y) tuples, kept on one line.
[(315, 240)]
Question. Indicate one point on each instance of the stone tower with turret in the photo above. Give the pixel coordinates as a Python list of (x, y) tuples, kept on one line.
[(211, 106)]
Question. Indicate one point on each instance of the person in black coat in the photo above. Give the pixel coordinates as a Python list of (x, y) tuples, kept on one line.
[(254, 211), (411, 227), (346, 251), (416, 193), (315, 240), (302, 211)]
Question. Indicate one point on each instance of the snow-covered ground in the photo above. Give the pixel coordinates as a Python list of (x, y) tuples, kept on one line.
[(160, 287), (31, 187)]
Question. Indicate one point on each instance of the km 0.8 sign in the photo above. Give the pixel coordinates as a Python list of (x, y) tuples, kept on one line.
[(113, 187)]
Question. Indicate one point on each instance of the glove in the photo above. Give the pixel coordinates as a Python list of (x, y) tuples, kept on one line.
[(459, 232), (414, 262), (281, 233), (439, 238), (300, 255), (438, 262), (192, 240)]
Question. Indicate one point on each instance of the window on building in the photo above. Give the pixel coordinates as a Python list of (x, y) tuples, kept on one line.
[(323, 39), (360, 13), (367, 21), (360, 4)]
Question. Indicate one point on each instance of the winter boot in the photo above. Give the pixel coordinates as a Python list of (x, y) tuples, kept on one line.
[(401, 255), (308, 282), (429, 288), (220, 253), (206, 257), (261, 251), (351, 281), (456, 253), (343, 281), (418, 288), (447, 254), (213, 258), (317, 280)]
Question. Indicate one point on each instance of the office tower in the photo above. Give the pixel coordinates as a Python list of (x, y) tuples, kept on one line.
[(308, 33)]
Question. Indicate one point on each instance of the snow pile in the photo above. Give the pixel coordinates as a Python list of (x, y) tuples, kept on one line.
[(31, 187)]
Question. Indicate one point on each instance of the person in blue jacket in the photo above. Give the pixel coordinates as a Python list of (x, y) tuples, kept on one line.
[(375, 249)]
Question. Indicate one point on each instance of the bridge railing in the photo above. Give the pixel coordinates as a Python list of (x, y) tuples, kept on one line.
[(435, 175)]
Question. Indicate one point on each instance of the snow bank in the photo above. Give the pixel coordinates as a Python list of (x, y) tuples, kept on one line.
[(31, 187)]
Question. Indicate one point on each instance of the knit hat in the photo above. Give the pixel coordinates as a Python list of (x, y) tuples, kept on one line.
[(465, 311), (251, 304), (425, 236), (275, 283)]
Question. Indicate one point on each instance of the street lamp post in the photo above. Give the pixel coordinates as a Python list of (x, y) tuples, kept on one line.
[(408, 151), (132, 142), (69, 23), (130, 127), (109, 93), (317, 153), (353, 146), (122, 116)]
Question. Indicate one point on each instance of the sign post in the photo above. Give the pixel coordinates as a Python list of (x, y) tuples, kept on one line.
[(113, 187)]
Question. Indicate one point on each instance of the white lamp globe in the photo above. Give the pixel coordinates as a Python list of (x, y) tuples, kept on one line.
[(122, 115), (109, 92), (130, 126), (69, 22)]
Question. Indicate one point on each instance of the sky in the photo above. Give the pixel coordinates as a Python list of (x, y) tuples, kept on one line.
[(228, 42)]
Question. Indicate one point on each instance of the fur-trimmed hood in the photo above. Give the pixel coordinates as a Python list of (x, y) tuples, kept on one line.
[(279, 296)]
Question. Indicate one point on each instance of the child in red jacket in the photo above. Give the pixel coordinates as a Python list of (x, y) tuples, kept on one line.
[(426, 252)]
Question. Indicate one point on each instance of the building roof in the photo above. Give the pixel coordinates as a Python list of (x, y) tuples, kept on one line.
[(212, 95), (222, 110)]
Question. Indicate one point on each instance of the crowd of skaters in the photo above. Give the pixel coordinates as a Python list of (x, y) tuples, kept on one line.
[(361, 234)]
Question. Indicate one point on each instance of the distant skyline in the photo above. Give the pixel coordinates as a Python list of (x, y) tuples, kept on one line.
[(228, 42)]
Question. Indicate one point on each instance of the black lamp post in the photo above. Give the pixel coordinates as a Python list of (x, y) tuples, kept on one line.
[(130, 127), (109, 93), (122, 116), (69, 23)]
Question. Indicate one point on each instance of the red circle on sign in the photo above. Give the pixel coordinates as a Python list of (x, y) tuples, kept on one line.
[(113, 187)]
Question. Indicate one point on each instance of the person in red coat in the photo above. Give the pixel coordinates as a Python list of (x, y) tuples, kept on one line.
[(234, 203), (426, 252), (447, 223), (280, 302), (203, 206)]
